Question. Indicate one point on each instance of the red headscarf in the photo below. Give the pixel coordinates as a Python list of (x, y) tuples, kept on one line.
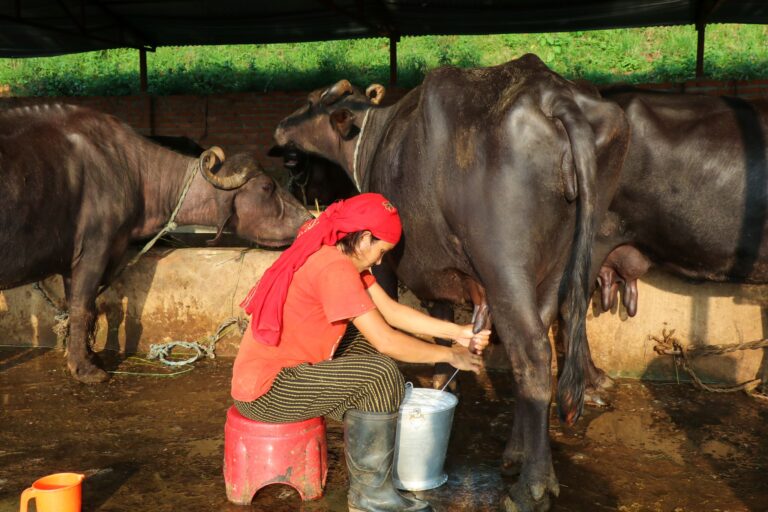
[(265, 301)]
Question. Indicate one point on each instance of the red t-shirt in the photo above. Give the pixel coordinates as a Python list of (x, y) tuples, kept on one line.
[(325, 293)]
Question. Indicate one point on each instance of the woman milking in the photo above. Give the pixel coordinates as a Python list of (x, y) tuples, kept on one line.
[(300, 358)]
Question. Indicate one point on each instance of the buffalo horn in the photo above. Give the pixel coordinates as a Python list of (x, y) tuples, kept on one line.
[(335, 92), (212, 158), (375, 93)]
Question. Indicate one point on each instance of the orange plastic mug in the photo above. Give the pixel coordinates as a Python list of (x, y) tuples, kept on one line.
[(60, 492)]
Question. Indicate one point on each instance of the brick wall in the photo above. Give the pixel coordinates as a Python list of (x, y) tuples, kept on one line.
[(747, 89), (245, 121)]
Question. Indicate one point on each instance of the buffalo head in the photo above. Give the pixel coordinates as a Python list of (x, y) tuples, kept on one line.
[(293, 159), (328, 124), (312, 178), (249, 201)]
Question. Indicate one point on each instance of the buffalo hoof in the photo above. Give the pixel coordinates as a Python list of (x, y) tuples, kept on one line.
[(87, 373), (603, 381), (511, 467), (595, 398), (530, 497)]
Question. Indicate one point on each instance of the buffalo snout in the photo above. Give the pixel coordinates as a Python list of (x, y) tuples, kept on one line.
[(267, 214)]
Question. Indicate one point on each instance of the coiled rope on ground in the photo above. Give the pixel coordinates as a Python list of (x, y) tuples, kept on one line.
[(205, 346)]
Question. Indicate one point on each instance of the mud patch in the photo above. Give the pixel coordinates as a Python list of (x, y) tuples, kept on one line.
[(636, 430), (155, 444), (205, 447)]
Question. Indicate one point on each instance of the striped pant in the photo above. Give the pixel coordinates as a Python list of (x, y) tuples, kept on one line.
[(358, 377)]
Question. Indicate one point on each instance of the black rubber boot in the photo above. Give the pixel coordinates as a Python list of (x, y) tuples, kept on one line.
[(369, 442)]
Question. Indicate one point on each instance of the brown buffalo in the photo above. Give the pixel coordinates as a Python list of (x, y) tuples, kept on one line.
[(78, 186), (314, 180)]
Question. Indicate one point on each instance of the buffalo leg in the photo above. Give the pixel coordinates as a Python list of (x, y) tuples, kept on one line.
[(517, 320), (83, 288), (443, 371), (512, 459), (530, 356)]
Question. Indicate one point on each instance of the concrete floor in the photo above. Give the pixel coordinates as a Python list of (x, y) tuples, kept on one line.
[(155, 444)]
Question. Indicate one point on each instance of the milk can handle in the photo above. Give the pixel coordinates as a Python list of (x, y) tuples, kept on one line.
[(27, 495)]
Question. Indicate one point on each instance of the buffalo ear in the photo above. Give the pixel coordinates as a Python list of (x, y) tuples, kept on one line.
[(342, 121), (375, 93)]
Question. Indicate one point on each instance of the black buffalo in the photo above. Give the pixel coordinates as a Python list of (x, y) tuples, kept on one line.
[(495, 172), (78, 186), (312, 179), (693, 194)]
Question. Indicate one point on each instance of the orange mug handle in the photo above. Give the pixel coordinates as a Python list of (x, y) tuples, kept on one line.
[(27, 495)]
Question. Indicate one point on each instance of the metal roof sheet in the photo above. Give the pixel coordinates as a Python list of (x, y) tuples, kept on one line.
[(49, 27)]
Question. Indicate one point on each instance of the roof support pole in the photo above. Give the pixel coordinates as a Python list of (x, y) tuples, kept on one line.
[(704, 11), (700, 30), (143, 70), (393, 39)]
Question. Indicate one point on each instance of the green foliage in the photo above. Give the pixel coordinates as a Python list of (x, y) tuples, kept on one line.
[(655, 54)]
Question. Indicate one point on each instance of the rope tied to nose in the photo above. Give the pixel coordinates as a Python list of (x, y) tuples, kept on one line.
[(669, 345)]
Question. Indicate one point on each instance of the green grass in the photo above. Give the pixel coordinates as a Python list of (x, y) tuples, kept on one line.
[(656, 54)]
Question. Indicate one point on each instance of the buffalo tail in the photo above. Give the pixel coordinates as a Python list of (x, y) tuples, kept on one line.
[(570, 390)]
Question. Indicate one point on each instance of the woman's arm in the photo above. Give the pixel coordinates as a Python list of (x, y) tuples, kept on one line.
[(408, 349), (411, 320)]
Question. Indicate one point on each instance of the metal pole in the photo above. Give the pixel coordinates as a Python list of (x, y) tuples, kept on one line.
[(143, 70), (700, 29), (393, 39)]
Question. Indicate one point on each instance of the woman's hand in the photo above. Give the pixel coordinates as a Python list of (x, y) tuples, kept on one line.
[(476, 342), (463, 359)]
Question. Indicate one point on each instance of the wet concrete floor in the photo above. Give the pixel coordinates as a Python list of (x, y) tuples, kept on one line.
[(156, 443)]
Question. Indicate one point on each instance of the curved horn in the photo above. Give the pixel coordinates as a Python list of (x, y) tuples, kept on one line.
[(335, 92), (375, 93), (218, 152), (212, 158)]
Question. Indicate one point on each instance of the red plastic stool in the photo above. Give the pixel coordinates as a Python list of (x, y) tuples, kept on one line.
[(258, 454)]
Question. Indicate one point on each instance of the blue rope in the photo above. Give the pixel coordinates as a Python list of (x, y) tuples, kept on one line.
[(162, 351)]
